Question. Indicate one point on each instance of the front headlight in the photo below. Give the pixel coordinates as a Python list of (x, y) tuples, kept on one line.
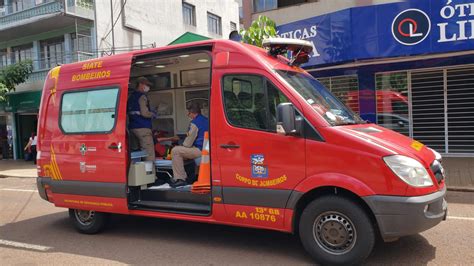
[(409, 170)]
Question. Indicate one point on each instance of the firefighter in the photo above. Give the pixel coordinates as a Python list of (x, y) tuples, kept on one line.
[(140, 117), (192, 145)]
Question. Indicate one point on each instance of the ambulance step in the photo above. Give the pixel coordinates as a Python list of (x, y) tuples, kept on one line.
[(174, 195), (173, 206)]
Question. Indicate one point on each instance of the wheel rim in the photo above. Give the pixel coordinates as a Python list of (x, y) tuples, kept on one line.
[(334, 232), (84, 217)]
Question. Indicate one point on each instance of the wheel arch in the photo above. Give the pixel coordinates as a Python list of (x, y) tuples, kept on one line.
[(318, 192)]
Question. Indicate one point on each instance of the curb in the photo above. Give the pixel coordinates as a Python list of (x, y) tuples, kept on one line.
[(10, 176), (460, 189)]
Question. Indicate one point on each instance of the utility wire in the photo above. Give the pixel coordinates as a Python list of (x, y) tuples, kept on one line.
[(116, 20)]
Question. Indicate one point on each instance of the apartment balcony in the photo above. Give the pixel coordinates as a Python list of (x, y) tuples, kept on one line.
[(11, 18), (31, 18), (34, 82), (36, 79)]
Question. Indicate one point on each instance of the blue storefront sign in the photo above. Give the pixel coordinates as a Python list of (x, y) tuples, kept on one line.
[(413, 27)]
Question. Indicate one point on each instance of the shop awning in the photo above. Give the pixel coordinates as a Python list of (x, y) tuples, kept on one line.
[(23, 101), (189, 37)]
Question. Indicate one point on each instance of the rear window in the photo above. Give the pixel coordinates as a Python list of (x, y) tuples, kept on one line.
[(90, 111)]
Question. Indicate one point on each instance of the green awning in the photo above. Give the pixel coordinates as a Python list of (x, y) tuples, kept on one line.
[(189, 37), (23, 101)]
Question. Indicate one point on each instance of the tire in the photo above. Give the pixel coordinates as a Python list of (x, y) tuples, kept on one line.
[(336, 231), (88, 222)]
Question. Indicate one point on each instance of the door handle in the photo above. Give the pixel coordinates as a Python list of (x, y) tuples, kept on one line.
[(115, 146), (229, 146)]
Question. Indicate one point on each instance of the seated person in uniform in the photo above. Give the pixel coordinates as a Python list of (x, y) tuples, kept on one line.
[(192, 145)]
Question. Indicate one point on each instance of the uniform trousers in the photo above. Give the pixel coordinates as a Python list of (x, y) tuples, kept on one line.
[(145, 139), (178, 155)]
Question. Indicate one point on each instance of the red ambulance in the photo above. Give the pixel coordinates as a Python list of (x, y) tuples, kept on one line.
[(285, 154)]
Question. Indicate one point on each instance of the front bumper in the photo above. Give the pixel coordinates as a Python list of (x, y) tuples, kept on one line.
[(401, 216)]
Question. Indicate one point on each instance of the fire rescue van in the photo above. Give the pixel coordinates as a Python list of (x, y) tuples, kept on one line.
[(283, 153)]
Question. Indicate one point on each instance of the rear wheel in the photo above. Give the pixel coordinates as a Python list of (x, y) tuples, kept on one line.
[(335, 230), (88, 222)]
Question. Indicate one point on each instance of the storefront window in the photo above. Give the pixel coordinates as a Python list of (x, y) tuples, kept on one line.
[(392, 101), (346, 88), (460, 109)]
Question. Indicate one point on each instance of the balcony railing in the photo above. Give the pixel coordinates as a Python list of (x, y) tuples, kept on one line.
[(37, 76), (27, 9), (42, 9)]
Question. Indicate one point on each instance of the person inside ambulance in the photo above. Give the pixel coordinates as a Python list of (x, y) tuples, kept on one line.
[(192, 145), (140, 117)]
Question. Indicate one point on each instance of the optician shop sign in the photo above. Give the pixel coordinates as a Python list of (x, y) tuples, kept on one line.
[(397, 29)]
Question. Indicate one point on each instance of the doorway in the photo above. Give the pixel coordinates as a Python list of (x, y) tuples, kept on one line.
[(4, 146), (27, 123)]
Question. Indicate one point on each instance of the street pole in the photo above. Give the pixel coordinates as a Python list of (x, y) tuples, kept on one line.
[(112, 21)]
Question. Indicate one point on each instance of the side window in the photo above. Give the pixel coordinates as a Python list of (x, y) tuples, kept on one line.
[(275, 97), (250, 102), (92, 111)]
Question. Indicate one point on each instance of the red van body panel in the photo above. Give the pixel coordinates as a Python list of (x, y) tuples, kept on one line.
[(63, 156)]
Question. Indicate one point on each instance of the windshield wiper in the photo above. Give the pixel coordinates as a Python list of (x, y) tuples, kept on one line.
[(346, 123)]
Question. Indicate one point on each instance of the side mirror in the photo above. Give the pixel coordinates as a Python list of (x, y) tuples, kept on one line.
[(401, 124), (287, 123)]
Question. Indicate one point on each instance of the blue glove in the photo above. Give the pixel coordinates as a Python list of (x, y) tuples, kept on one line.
[(155, 114)]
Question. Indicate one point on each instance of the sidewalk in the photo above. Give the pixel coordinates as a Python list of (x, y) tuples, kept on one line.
[(17, 168), (459, 173)]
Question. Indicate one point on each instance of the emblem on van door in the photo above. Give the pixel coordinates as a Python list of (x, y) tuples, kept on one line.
[(83, 149), (259, 169)]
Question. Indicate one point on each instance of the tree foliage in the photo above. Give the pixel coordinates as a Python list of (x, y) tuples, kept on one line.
[(260, 29), (12, 75)]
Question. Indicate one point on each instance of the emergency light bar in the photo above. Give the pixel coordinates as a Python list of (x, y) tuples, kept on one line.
[(299, 50)]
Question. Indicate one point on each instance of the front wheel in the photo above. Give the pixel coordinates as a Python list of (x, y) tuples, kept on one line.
[(88, 222), (335, 230)]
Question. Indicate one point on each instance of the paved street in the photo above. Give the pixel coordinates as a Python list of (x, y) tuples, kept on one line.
[(33, 231)]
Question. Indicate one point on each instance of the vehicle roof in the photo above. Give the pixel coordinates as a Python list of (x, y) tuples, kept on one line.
[(116, 68), (220, 44)]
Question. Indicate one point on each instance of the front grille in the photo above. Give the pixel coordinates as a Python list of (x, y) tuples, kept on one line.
[(437, 170)]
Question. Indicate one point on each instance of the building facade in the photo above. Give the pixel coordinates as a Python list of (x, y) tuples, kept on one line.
[(54, 32), (406, 65)]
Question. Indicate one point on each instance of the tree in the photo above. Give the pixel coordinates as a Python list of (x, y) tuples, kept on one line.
[(13, 75), (260, 29)]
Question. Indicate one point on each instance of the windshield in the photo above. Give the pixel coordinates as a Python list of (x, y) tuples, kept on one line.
[(322, 101)]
